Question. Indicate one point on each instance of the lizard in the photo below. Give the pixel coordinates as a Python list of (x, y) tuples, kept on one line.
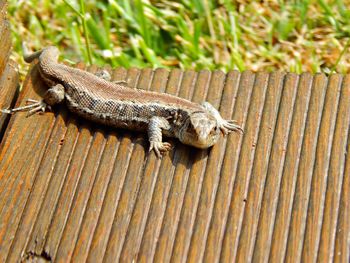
[(97, 99)]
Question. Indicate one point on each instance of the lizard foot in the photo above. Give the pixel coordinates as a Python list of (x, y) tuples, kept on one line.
[(104, 74), (33, 107), (159, 147), (227, 126)]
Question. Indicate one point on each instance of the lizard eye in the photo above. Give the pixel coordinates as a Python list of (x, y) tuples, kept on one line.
[(214, 130)]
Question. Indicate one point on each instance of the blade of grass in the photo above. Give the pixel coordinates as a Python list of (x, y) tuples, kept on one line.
[(97, 32), (345, 49), (82, 15)]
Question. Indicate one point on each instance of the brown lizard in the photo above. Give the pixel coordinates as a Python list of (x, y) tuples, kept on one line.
[(97, 99)]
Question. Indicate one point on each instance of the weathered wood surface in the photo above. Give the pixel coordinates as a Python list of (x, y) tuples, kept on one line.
[(8, 92), (73, 190), (8, 68), (5, 39)]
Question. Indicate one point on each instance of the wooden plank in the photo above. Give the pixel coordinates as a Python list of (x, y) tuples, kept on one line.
[(240, 187), (319, 176), (21, 165), (5, 40), (8, 69), (194, 185), (290, 169), (229, 167), (176, 196), (342, 238), (77, 191), (146, 226), (305, 169), (335, 179), (260, 168), (131, 187), (8, 93), (274, 175), (211, 178)]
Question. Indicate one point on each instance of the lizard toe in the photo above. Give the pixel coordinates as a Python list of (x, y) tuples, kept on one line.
[(37, 107), (159, 147), (230, 125)]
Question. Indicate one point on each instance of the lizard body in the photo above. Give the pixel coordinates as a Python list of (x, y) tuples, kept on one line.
[(116, 105)]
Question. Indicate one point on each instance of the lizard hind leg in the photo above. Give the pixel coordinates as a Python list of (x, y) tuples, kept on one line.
[(52, 96), (104, 74)]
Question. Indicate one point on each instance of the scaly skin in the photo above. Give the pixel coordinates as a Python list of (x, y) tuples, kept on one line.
[(97, 99)]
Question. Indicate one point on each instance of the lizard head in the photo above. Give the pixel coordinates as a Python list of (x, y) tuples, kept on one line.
[(200, 130)]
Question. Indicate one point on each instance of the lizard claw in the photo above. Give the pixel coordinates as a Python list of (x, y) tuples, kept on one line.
[(6, 111), (227, 126), (159, 147), (33, 107)]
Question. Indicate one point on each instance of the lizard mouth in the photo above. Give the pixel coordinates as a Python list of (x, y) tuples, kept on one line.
[(202, 143)]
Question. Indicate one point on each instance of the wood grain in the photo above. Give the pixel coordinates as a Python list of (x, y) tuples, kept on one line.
[(77, 191)]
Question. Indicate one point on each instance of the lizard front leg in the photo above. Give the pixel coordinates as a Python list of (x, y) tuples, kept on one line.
[(225, 126), (155, 127), (52, 96)]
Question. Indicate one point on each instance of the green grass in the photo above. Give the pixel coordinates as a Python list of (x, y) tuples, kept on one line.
[(294, 36)]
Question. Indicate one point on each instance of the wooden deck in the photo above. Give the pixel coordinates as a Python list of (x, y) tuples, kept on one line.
[(73, 190)]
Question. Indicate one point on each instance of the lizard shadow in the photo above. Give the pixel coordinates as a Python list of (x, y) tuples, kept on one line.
[(135, 141), (186, 155), (179, 154), (38, 84)]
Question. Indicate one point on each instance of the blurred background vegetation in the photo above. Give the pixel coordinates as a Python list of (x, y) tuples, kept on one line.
[(296, 36)]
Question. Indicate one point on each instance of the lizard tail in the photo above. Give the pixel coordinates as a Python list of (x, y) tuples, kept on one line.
[(27, 56)]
